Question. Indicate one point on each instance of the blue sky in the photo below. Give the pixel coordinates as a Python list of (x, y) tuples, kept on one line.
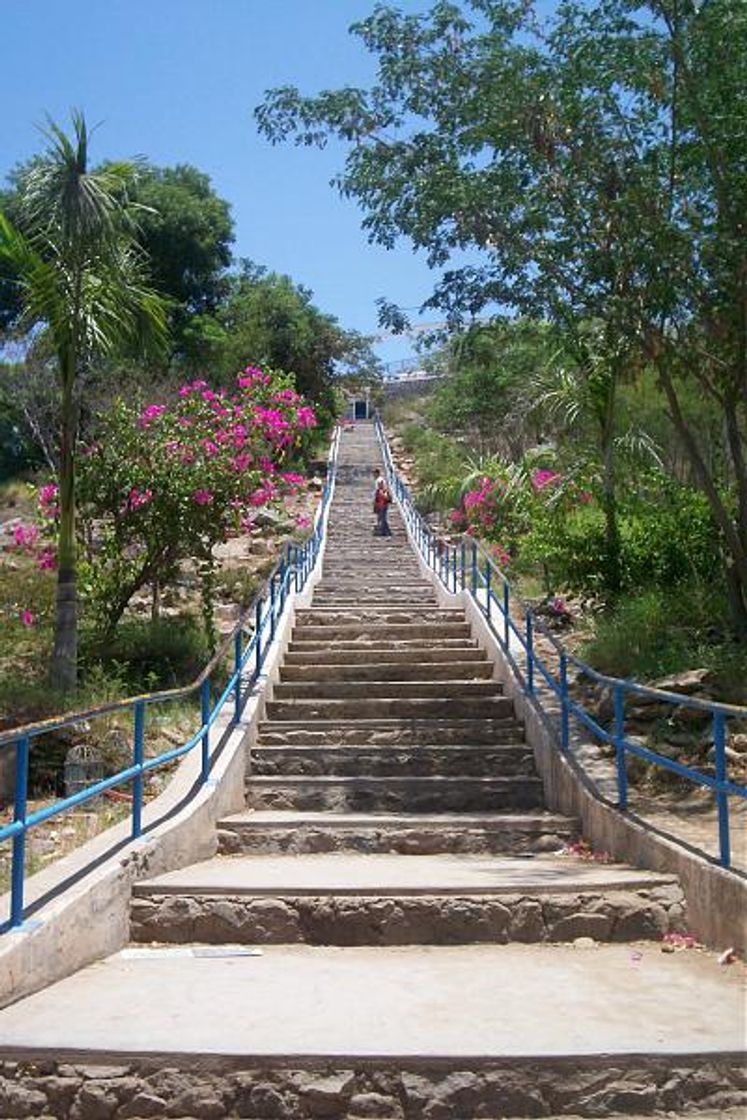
[(176, 81)]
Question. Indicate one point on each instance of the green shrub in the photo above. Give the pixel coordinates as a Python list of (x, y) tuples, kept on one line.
[(147, 656), (667, 630), (667, 542)]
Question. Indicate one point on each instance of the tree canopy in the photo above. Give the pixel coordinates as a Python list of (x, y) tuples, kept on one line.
[(596, 160)]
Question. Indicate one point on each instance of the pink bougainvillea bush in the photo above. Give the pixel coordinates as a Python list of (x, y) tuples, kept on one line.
[(171, 480), (175, 478), (512, 511)]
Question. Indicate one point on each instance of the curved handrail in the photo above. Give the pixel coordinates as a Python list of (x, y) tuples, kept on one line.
[(289, 574), (467, 567)]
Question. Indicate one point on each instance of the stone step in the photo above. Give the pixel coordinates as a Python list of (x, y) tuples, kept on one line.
[(373, 643), (395, 795), (368, 583), (403, 900), (369, 599), (463, 690), (267, 832), (399, 578), (451, 1033), (335, 656), (457, 707), (379, 615), (390, 732), (375, 762), (380, 632), (375, 670)]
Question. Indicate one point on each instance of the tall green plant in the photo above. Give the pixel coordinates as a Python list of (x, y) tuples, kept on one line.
[(82, 281)]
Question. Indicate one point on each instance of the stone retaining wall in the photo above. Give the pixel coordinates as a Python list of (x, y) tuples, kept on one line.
[(419, 1089), (452, 920)]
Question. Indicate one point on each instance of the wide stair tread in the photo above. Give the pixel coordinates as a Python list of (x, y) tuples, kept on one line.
[(367, 899)]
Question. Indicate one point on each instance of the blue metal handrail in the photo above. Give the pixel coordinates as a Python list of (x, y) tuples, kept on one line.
[(467, 567), (289, 574)]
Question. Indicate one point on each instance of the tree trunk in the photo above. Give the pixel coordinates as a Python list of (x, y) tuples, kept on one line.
[(155, 602), (613, 573), (732, 534), (64, 665)]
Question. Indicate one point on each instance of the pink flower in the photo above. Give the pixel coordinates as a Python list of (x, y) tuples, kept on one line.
[(151, 413), (473, 498), (241, 463), (251, 376), (293, 479), (25, 536), (302, 521), (457, 518), (501, 556), (202, 497), (48, 506), (306, 417), (543, 478), (136, 499), (559, 607), (211, 449), (27, 618), (262, 496), (47, 561), (584, 497)]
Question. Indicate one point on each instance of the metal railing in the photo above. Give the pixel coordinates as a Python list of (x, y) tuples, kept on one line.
[(289, 575), (466, 566)]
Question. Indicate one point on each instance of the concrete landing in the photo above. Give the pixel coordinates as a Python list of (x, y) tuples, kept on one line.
[(352, 874), (481, 1002)]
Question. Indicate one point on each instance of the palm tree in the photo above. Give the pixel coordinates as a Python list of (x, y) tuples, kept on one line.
[(83, 284), (582, 394)]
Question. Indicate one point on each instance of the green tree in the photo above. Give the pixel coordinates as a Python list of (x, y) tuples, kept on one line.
[(598, 163), (274, 321), (81, 278), (187, 232), (484, 398)]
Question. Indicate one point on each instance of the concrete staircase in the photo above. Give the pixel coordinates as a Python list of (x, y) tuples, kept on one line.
[(391, 761), (427, 953)]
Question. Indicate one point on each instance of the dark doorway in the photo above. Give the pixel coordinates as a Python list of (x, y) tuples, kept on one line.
[(361, 410)]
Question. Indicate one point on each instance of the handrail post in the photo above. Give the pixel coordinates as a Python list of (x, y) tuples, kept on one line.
[(565, 736), (474, 569), (137, 759), (273, 620), (237, 653), (258, 638), (454, 567), (463, 557), (722, 800), (622, 773), (506, 615), (530, 652), (19, 841), (205, 711), (487, 590)]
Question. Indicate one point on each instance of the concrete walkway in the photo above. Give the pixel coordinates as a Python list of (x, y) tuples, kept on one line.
[(476, 1001)]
